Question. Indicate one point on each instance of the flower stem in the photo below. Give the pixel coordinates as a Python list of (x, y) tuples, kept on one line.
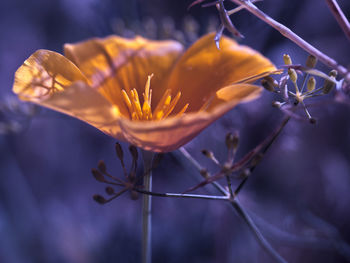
[(286, 32), (147, 209), (339, 16), (192, 196)]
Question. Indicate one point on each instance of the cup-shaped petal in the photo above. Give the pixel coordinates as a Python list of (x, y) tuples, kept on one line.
[(113, 64), (51, 80), (204, 69)]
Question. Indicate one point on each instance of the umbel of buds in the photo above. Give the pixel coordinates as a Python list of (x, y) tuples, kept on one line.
[(131, 182)]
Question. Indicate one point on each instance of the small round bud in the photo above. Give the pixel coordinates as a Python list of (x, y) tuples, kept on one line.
[(267, 85), (102, 166), (110, 190), (232, 140), (273, 82), (333, 73), (329, 85), (312, 120), (99, 199), (97, 175), (311, 84), (134, 152), (287, 60), (245, 173), (311, 61), (119, 151), (204, 173), (293, 75), (207, 153), (276, 104)]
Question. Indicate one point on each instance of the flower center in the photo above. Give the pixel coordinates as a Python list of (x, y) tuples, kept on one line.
[(165, 106)]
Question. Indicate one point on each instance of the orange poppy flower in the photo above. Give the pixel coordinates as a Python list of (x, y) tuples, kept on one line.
[(148, 93)]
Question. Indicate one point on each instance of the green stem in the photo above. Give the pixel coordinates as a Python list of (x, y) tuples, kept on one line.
[(147, 209)]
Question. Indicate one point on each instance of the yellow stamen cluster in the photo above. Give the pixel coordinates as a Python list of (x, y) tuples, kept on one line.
[(165, 106)]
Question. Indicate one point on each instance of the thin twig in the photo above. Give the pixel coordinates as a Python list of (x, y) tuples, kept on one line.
[(192, 196), (285, 31), (200, 169), (248, 220), (339, 16), (241, 212)]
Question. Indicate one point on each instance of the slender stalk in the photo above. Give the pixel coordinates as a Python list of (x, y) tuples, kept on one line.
[(235, 203), (250, 223), (285, 31), (270, 142), (192, 196), (147, 209), (339, 16), (194, 162)]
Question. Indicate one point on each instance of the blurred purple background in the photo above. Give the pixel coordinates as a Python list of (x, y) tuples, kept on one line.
[(299, 195)]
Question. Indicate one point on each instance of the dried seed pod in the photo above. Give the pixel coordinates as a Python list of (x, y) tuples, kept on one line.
[(311, 61)]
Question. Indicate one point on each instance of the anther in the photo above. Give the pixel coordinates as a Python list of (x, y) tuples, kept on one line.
[(164, 108)]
